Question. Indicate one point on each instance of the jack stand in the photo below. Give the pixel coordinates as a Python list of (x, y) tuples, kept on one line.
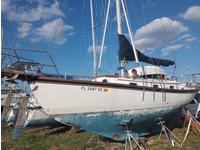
[(92, 137), (170, 136), (73, 130), (192, 122), (128, 142), (195, 124)]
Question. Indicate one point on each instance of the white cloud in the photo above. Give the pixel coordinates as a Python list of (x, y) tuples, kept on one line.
[(46, 32), (150, 3), (190, 39), (39, 1), (5, 5), (158, 33), (170, 49), (98, 48), (185, 36), (35, 14), (192, 14), (37, 20), (24, 29)]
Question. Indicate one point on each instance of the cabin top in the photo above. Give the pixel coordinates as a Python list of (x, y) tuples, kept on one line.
[(146, 71)]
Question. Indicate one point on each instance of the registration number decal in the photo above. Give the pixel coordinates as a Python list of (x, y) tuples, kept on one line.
[(94, 89)]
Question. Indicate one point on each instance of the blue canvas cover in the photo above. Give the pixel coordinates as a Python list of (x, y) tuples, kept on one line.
[(126, 52)]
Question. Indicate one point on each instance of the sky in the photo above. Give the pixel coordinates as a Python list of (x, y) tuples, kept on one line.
[(167, 29)]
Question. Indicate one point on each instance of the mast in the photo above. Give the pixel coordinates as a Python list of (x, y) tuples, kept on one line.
[(93, 39), (119, 22), (119, 31), (2, 37)]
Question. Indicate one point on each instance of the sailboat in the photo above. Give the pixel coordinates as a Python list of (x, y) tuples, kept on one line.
[(34, 115), (110, 104)]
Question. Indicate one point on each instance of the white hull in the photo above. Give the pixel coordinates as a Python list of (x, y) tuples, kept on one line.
[(66, 99)]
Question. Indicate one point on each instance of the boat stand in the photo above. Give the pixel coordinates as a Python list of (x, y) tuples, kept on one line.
[(92, 138), (170, 136), (192, 122), (195, 124), (128, 143)]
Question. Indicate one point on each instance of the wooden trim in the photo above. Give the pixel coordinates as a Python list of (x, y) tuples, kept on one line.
[(111, 76)]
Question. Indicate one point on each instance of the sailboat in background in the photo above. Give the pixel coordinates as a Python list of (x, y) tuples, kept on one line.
[(110, 104), (35, 117), (12, 94)]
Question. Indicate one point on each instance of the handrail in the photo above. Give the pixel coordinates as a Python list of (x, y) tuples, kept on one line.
[(27, 59), (22, 49)]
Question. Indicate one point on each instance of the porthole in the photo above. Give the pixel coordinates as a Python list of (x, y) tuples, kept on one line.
[(133, 84), (105, 80), (155, 86)]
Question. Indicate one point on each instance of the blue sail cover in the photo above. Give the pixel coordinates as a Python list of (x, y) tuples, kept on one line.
[(126, 52)]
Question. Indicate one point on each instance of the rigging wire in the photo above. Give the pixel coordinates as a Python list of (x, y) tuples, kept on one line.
[(128, 16), (51, 46), (143, 12), (99, 26), (86, 28), (106, 67), (104, 34), (12, 41), (86, 31), (144, 18), (130, 32), (168, 42), (188, 66), (82, 36)]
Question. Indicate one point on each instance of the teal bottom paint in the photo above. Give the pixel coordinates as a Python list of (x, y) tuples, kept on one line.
[(114, 125)]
